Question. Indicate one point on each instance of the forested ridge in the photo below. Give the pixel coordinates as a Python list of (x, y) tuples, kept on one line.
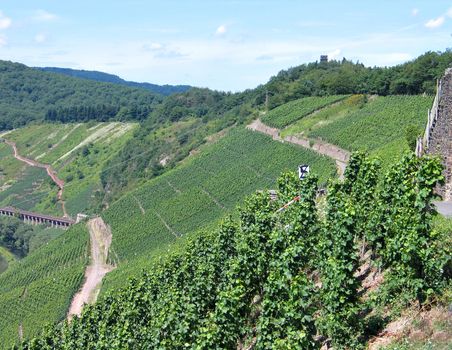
[(27, 95), (111, 78)]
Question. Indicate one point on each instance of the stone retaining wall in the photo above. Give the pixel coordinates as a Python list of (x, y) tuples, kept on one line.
[(440, 133)]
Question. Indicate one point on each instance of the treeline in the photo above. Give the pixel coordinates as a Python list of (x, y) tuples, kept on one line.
[(15, 235), (111, 78), (99, 113), (290, 279), (28, 94), (345, 77)]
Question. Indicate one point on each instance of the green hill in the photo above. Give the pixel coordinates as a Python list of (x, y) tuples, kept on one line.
[(28, 94), (77, 152), (197, 194), (39, 288)]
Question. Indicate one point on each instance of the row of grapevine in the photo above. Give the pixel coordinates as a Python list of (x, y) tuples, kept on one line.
[(39, 288), (379, 126), (290, 112), (272, 279)]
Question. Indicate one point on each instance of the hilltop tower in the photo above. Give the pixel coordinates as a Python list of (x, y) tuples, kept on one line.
[(438, 133), (323, 58)]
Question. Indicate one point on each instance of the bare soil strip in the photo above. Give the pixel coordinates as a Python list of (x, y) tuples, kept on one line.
[(100, 239), (340, 155), (168, 227), (139, 204), (221, 206), (50, 171), (173, 187)]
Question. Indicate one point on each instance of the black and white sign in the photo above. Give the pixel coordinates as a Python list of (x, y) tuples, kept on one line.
[(303, 171)]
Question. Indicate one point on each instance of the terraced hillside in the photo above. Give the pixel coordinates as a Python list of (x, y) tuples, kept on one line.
[(197, 194), (38, 289), (193, 196), (290, 112), (77, 152), (378, 124)]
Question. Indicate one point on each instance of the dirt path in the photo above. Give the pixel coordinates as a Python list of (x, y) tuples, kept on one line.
[(168, 227), (100, 237), (50, 171), (139, 204), (340, 155)]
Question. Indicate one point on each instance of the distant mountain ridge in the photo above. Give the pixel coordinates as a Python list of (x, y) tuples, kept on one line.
[(111, 78)]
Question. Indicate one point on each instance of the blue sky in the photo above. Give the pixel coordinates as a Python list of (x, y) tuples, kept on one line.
[(226, 45)]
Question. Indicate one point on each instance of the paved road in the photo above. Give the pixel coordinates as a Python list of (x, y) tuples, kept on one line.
[(444, 208)]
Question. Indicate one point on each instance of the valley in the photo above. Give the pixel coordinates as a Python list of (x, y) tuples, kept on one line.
[(191, 236)]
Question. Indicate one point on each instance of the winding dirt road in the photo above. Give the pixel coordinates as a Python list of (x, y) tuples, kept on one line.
[(52, 173), (100, 237), (340, 155)]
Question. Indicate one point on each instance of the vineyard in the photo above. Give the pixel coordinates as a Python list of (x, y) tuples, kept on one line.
[(199, 193), (38, 289), (28, 189), (325, 116), (290, 112), (380, 126), (294, 279), (77, 152)]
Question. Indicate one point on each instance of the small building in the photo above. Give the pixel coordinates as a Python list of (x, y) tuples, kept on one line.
[(323, 58)]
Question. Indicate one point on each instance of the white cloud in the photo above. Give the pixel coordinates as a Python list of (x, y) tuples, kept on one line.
[(415, 12), (334, 54), (44, 16), (3, 40), (435, 23), (40, 38), (221, 30), (5, 22), (449, 13), (155, 46)]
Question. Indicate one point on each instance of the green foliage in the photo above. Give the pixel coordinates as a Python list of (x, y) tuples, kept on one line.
[(15, 235), (110, 78), (345, 77), (339, 261), (402, 229), (290, 112), (180, 125), (412, 132)]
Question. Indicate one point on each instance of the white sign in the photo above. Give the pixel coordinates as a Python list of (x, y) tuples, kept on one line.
[(303, 171)]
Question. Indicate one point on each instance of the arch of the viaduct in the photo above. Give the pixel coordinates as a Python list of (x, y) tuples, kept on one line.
[(36, 219)]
